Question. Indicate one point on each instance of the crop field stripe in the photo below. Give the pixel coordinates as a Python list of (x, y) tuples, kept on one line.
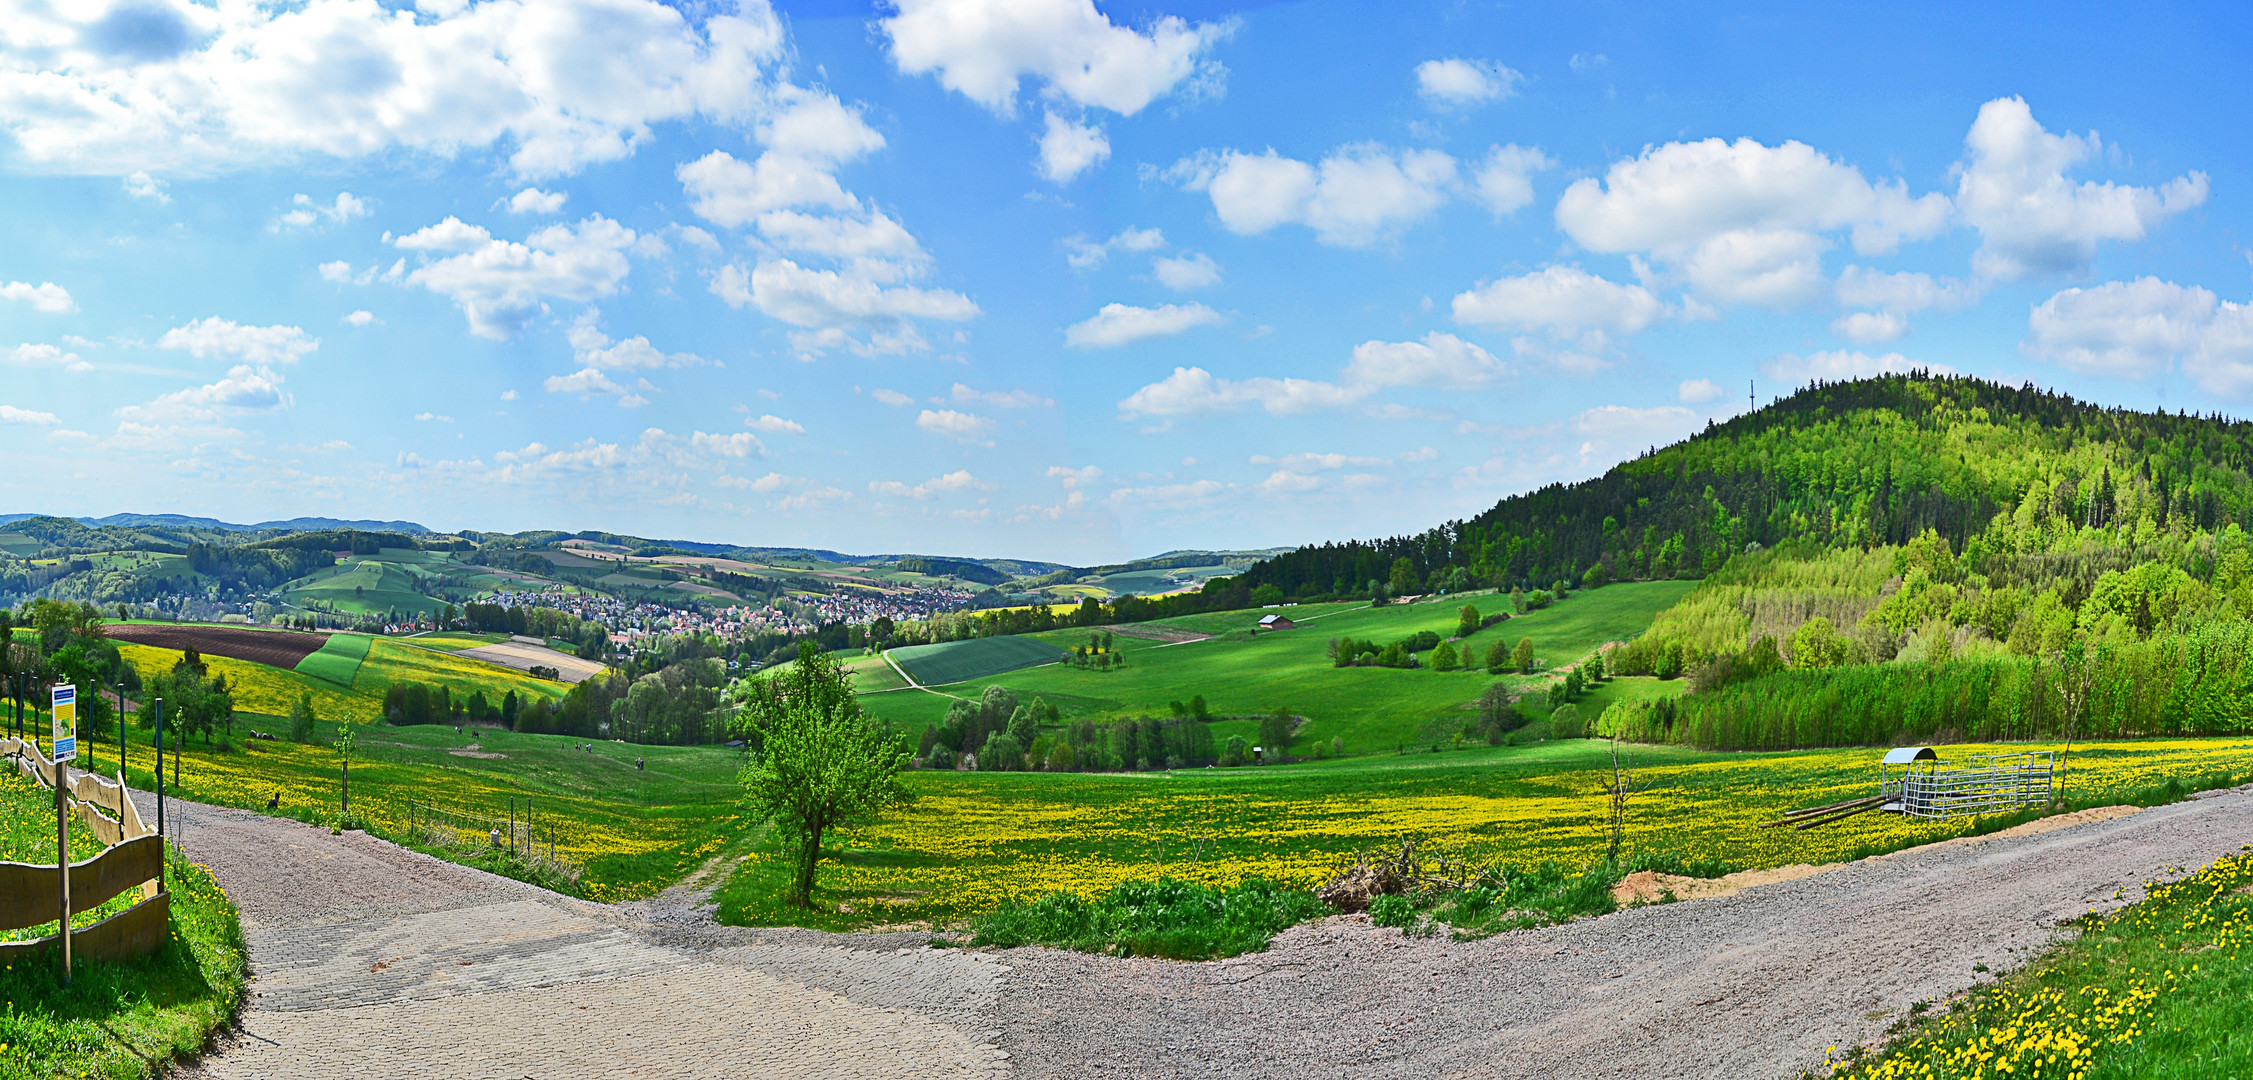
[(274, 648), (338, 660), (977, 658)]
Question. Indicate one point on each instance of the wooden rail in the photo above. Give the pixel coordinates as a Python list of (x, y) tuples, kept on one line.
[(132, 858)]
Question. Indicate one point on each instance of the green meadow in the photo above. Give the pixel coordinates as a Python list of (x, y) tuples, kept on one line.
[(1241, 673), (961, 661)]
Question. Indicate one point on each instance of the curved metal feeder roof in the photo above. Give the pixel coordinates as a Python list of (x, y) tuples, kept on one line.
[(1906, 754)]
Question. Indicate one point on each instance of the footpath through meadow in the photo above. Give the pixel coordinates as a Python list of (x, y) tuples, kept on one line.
[(371, 961)]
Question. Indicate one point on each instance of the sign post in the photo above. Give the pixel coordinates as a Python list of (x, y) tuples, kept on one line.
[(63, 707)]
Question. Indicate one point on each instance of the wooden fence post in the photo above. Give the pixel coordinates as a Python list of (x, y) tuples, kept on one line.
[(62, 857)]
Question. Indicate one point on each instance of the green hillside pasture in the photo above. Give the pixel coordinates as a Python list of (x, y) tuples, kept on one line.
[(391, 661), (1368, 709), (1564, 632), (958, 661), (366, 584), (1147, 582), (973, 841), (632, 831), (871, 675), (19, 545), (338, 659)]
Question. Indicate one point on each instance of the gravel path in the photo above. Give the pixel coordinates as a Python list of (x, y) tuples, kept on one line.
[(371, 961), (1753, 985)]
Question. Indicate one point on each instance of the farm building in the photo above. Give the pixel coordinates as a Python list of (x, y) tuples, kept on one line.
[(1276, 622)]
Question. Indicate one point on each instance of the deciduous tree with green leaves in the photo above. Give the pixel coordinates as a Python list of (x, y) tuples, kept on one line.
[(821, 763)]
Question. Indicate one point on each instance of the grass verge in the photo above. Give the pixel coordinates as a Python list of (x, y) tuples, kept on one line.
[(1170, 918), (129, 1019), (2154, 990)]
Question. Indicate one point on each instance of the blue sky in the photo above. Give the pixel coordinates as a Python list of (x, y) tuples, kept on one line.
[(1052, 279)]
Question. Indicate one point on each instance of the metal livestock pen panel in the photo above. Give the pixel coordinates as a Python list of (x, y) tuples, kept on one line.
[(1981, 785)]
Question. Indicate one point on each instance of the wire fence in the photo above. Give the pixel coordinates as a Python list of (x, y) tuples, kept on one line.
[(523, 832)]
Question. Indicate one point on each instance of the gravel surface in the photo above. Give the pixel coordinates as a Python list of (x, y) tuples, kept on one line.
[(372, 961), (1753, 985)]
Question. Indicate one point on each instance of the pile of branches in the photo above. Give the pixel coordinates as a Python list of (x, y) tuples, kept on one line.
[(1413, 870)]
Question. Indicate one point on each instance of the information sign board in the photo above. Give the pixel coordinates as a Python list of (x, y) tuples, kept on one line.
[(65, 704)]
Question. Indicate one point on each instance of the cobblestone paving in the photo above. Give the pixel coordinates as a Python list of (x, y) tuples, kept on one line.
[(373, 962)]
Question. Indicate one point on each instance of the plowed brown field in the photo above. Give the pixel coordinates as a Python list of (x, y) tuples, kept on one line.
[(274, 648)]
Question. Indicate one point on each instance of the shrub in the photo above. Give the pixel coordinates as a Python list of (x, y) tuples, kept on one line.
[(1444, 658), (301, 719), (1394, 911), (1521, 657), (1467, 621), (1235, 751), (1498, 657)]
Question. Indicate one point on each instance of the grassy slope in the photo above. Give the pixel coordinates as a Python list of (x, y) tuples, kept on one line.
[(634, 830), (1369, 709), (271, 691), (116, 1020), (961, 661), (338, 659)]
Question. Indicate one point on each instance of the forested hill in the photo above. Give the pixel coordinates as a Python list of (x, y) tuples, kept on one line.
[(1875, 461)]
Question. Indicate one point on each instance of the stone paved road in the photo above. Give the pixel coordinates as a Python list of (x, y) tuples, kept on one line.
[(374, 962)]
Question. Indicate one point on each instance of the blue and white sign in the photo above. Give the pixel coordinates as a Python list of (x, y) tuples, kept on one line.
[(65, 707)]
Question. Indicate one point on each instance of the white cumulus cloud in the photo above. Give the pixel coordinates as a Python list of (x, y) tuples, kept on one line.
[(1354, 197), (775, 425), (1440, 360), (532, 200), (1503, 181), (1562, 315), (125, 89), (959, 426), (1869, 326), (1085, 255), (958, 480), (1068, 149), (501, 285), (1186, 271), (1193, 391), (10, 414), (30, 354), (1462, 83), (344, 207), (1743, 221), (2141, 328), (1123, 324), (45, 296), (2032, 220), (225, 339), (1698, 391), (984, 49)]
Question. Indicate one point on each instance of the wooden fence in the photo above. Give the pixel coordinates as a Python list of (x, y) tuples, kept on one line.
[(133, 859)]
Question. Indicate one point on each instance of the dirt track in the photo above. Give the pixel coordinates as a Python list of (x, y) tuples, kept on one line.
[(373, 961), (1753, 985)]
